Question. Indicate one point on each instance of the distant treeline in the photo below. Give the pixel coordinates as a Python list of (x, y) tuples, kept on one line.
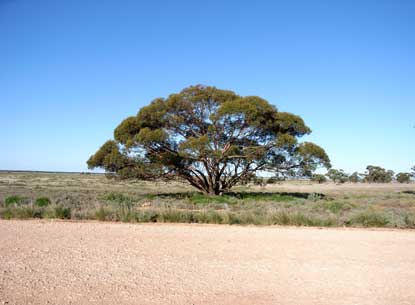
[(373, 174)]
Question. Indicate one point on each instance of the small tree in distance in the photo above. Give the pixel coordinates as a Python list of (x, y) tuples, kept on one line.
[(413, 171), (377, 174), (403, 177), (319, 178), (337, 175), (211, 138), (355, 177)]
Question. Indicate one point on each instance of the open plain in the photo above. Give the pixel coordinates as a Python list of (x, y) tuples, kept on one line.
[(28, 195)]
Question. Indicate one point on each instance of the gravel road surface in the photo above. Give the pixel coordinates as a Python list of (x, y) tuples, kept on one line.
[(55, 262)]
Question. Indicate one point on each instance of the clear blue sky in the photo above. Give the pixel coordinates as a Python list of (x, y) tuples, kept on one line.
[(70, 71)]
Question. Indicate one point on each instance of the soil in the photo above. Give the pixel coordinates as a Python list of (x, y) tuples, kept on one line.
[(55, 262)]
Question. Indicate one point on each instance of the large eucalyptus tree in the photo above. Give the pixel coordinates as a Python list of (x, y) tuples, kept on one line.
[(210, 138)]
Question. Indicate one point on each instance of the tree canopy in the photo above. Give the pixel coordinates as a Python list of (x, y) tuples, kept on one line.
[(337, 175), (378, 174), (319, 178), (355, 177), (403, 177), (211, 138)]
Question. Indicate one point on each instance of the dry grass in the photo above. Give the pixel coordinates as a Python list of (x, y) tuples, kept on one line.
[(76, 196)]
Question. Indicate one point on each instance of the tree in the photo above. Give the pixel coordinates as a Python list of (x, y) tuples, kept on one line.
[(212, 139), (319, 178), (403, 177), (337, 175), (413, 171), (355, 177), (377, 174)]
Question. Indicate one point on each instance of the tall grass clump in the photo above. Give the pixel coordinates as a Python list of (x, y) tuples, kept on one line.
[(62, 212), (370, 218)]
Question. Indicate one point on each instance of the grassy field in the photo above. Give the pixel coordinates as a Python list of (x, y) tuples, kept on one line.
[(77, 196)]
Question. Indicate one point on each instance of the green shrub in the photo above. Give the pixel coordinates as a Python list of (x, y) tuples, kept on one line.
[(36, 213), (42, 201), (13, 200), (319, 178), (233, 219), (62, 212)]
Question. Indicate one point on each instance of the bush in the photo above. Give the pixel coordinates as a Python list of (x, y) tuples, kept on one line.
[(42, 201), (377, 174), (403, 177), (355, 177), (13, 200), (62, 212), (319, 178), (337, 175)]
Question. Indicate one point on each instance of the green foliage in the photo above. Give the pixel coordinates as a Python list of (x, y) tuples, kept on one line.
[(62, 212), (42, 201), (377, 174), (337, 175), (211, 138), (206, 199), (13, 200), (403, 177), (319, 178), (355, 177)]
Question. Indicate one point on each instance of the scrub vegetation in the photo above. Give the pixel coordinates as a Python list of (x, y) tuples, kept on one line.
[(298, 203)]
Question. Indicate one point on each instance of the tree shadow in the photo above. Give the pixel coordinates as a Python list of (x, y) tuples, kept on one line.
[(240, 195), (408, 192)]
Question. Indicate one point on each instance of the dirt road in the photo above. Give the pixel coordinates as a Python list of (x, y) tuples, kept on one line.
[(46, 262)]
